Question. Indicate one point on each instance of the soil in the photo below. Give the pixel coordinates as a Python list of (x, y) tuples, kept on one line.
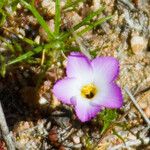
[(37, 120)]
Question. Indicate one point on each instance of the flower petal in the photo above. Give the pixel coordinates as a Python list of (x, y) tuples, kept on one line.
[(110, 96), (105, 68), (85, 111), (65, 89), (79, 66)]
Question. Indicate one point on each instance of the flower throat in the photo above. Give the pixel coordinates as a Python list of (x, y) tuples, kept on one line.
[(88, 91)]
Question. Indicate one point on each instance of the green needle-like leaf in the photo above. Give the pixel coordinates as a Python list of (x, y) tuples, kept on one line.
[(2, 66), (26, 55), (85, 21), (57, 17), (88, 18), (29, 41), (30, 54), (39, 18), (2, 17), (8, 45), (2, 3), (93, 25)]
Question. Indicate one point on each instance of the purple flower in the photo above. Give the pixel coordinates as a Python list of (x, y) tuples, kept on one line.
[(89, 85)]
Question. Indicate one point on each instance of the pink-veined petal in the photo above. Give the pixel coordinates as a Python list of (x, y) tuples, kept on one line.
[(105, 69), (85, 111), (79, 66), (109, 96), (65, 89)]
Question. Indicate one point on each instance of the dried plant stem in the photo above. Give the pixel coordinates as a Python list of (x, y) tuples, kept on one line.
[(112, 125), (137, 106), (128, 3), (130, 143), (5, 130), (82, 47)]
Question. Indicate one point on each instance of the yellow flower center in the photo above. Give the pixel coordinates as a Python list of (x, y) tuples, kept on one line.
[(89, 91)]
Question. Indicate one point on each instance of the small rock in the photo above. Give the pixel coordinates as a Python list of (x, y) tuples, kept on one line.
[(49, 5), (138, 44), (37, 39), (76, 139), (53, 136), (143, 104), (144, 100), (96, 5), (63, 122), (138, 66), (80, 133), (28, 136), (42, 32), (71, 19), (131, 136), (147, 112), (43, 101)]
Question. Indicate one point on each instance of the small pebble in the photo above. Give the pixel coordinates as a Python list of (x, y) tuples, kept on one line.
[(37, 39), (80, 133), (43, 101), (138, 44), (147, 112), (76, 139)]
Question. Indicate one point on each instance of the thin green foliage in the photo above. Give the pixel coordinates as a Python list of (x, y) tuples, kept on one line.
[(2, 2), (17, 46), (29, 41), (32, 2), (11, 4), (2, 17), (57, 18), (39, 18), (93, 25), (8, 3), (30, 53), (8, 44), (26, 55), (107, 116), (88, 143), (57, 40), (85, 21), (2, 66)]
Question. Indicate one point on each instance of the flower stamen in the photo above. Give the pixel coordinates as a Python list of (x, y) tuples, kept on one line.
[(89, 91)]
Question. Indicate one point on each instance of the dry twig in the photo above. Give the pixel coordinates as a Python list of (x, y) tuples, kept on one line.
[(5, 130), (130, 143), (83, 49), (137, 106)]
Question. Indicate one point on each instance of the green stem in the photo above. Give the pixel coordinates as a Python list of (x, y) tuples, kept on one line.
[(30, 53), (29, 41), (90, 27), (3, 17), (25, 56), (10, 46), (39, 18), (85, 21), (57, 17), (88, 18)]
